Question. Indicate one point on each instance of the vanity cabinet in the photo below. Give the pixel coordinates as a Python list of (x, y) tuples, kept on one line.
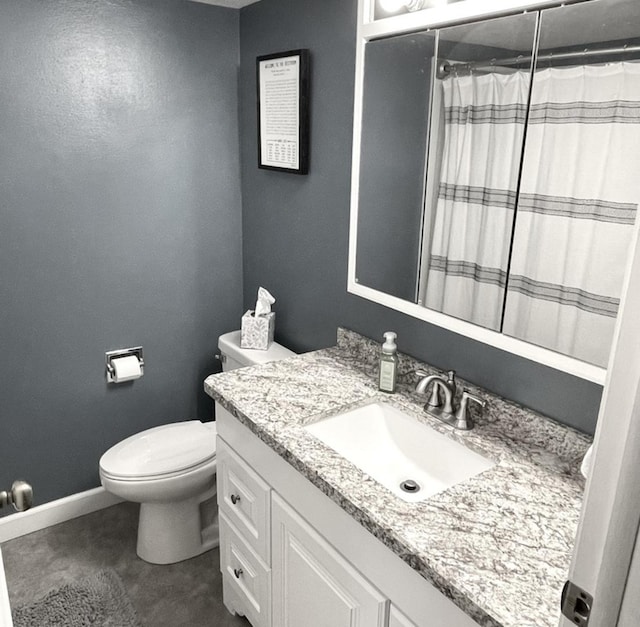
[(291, 556)]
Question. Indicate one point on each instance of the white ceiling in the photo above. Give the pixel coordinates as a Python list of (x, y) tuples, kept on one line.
[(234, 4)]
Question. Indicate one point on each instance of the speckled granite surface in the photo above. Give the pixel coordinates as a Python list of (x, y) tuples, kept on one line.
[(499, 545)]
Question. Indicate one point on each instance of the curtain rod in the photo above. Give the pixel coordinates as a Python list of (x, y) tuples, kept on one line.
[(445, 67)]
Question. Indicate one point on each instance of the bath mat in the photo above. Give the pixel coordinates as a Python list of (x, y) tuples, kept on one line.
[(98, 601)]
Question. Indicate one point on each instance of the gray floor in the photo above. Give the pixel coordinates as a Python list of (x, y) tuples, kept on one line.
[(185, 594)]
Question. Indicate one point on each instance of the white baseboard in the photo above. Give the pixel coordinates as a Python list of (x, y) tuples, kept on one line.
[(54, 512)]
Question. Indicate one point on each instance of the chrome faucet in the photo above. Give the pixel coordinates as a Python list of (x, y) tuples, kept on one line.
[(459, 418)]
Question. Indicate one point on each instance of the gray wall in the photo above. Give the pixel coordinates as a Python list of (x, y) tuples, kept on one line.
[(295, 229), (120, 223)]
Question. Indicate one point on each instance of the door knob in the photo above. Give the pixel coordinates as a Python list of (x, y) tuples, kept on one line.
[(20, 496)]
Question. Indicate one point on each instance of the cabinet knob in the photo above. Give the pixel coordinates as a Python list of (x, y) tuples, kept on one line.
[(235, 498), (238, 572)]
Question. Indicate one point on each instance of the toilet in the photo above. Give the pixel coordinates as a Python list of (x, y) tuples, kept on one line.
[(232, 356), (171, 471)]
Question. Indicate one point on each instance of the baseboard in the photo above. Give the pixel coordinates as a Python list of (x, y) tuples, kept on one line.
[(54, 512)]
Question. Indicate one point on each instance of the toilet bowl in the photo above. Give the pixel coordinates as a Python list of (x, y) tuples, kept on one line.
[(171, 471)]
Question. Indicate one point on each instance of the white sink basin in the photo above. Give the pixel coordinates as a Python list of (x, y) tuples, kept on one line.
[(392, 447)]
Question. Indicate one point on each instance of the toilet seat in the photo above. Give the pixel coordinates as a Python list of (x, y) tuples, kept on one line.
[(158, 477), (161, 452)]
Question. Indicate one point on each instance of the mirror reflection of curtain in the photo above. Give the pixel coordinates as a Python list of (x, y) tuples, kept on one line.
[(579, 192), (484, 117)]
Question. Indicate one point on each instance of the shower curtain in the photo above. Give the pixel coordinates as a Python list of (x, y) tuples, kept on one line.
[(579, 192), (484, 117)]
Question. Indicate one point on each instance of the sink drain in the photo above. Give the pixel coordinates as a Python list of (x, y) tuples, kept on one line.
[(409, 485)]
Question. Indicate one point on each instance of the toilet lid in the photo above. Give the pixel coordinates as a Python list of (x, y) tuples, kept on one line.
[(164, 450)]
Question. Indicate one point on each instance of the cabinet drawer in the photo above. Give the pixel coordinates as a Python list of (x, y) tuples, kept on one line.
[(245, 499), (246, 579)]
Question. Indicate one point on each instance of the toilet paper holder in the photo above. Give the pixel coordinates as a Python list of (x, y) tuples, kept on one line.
[(109, 356)]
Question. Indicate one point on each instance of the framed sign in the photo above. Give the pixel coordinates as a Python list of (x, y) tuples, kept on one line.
[(283, 111)]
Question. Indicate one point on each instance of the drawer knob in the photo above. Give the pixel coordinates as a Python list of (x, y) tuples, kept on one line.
[(238, 572), (235, 498)]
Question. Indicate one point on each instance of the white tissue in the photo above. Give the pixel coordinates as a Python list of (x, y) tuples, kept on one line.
[(264, 302), (587, 463), (126, 369)]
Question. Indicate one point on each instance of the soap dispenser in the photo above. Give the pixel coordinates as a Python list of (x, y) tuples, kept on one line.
[(388, 363)]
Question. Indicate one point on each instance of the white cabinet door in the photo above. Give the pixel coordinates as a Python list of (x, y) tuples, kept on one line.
[(397, 619), (312, 584)]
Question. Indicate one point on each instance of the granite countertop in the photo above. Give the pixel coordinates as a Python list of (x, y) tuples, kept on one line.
[(498, 545)]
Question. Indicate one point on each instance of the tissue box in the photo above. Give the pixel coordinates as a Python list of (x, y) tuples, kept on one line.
[(257, 332)]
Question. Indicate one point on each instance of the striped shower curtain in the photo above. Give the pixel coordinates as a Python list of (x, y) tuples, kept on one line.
[(579, 193), (484, 117)]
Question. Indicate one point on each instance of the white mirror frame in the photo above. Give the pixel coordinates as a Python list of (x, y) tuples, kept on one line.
[(457, 13)]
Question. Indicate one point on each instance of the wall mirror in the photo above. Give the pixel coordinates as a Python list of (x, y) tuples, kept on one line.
[(494, 183)]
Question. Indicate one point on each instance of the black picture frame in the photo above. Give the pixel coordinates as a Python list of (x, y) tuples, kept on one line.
[(283, 111)]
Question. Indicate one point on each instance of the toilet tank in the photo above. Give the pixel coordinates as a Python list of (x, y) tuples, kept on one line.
[(232, 356)]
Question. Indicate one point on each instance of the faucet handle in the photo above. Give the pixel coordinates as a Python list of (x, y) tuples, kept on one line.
[(463, 420)]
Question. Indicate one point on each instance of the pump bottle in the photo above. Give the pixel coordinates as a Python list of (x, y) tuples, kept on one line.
[(388, 363)]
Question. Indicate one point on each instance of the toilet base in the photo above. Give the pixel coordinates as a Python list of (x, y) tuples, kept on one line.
[(176, 531)]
